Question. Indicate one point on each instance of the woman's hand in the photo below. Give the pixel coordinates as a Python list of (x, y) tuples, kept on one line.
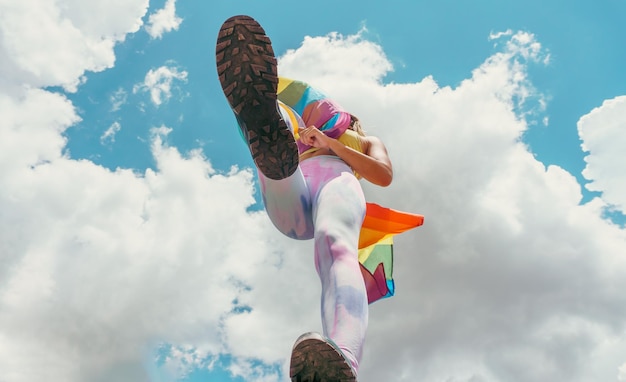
[(312, 136), (373, 164)]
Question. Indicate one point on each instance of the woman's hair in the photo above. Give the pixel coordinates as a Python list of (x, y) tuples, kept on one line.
[(355, 124)]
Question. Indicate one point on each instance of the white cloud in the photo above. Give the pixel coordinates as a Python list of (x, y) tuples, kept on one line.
[(507, 255), (158, 83), (164, 20), (367, 59), (49, 43), (118, 99), (109, 135), (622, 373), (498, 35), (511, 278), (100, 265), (603, 135)]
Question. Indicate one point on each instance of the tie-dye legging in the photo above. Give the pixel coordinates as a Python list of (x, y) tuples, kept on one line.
[(323, 200)]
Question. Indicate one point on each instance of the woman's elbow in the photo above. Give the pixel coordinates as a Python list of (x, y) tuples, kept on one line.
[(384, 179), (385, 182)]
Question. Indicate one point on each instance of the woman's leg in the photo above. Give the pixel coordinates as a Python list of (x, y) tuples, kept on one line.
[(288, 201), (288, 204), (338, 212), (248, 75)]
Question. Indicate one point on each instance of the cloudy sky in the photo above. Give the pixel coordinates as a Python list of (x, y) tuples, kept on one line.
[(133, 245)]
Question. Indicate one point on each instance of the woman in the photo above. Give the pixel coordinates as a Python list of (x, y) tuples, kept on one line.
[(308, 152)]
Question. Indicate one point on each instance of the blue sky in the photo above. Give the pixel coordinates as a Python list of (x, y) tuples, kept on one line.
[(445, 40), (132, 238)]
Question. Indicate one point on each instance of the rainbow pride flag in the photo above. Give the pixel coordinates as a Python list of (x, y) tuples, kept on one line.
[(376, 247)]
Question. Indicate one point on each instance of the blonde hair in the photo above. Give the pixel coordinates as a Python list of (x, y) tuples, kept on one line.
[(355, 124)]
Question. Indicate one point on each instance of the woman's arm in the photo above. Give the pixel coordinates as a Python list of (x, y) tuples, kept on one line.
[(373, 165)]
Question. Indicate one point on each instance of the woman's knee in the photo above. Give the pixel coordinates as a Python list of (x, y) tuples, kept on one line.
[(336, 241), (295, 227)]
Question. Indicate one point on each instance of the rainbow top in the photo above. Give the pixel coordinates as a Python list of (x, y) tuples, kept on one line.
[(315, 108)]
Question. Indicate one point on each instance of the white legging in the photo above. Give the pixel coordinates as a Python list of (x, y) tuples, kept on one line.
[(323, 200)]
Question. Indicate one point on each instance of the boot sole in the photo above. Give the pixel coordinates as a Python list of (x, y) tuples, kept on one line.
[(247, 71), (315, 360)]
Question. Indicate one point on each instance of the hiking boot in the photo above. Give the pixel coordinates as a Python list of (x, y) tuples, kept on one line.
[(317, 359), (247, 71)]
